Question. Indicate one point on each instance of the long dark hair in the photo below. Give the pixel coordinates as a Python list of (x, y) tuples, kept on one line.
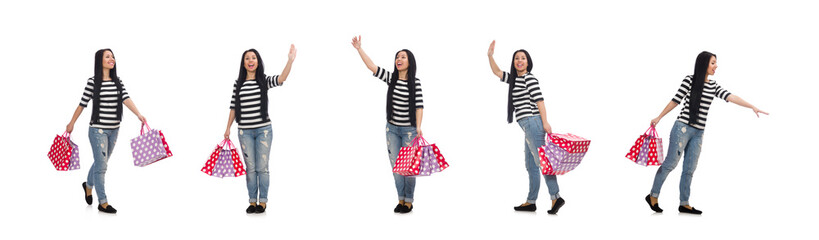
[(411, 69), (697, 85), (514, 74), (98, 56), (260, 79)]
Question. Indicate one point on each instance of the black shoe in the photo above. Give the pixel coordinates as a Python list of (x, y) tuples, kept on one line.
[(559, 203), (260, 208), (250, 209), (88, 198), (528, 208), (691, 211), (406, 209), (398, 208), (654, 207), (108, 209)]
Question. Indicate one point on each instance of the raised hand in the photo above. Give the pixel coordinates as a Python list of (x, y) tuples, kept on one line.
[(491, 49), (357, 42), (292, 55)]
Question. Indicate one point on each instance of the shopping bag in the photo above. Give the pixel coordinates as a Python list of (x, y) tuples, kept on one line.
[(149, 147), (556, 159), (648, 149), (224, 162), (64, 153), (409, 159)]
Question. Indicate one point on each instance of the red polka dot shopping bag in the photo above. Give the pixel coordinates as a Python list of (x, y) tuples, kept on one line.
[(419, 159), (149, 147), (647, 149), (562, 153), (64, 153), (224, 162)]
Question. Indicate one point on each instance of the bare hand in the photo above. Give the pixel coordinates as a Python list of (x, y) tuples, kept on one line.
[(420, 133), (142, 118), (655, 121), (69, 128), (357, 42), (491, 49), (292, 55), (757, 112), (227, 133), (547, 128)]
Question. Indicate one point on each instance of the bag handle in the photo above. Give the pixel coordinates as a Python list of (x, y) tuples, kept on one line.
[(142, 129), (651, 131), (66, 135), (229, 144)]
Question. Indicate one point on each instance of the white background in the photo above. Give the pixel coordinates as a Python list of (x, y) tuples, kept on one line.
[(605, 69)]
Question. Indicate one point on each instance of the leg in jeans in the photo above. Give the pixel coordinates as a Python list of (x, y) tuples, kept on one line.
[(264, 136), (102, 144), (692, 155), (248, 143), (678, 141), (393, 146), (407, 134)]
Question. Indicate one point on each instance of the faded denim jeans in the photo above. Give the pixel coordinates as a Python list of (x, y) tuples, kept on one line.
[(535, 138), (255, 143), (684, 139), (102, 145), (397, 137)]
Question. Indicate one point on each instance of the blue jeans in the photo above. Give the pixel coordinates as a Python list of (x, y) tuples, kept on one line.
[(396, 138), (102, 145), (535, 138), (686, 139), (255, 144)]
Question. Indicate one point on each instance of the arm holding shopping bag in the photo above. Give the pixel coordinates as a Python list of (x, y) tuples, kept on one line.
[(128, 103)]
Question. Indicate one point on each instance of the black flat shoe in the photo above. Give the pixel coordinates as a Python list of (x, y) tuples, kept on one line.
[(108, 209), (691, 211), (528, 208), (88, 198), (559, 203), (398, 208), (250, 209), (260, 209), (655, 207), (406, 209)]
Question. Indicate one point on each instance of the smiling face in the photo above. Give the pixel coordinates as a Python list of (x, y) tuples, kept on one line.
[(521, 63), (251, 62), (401, 61), (108, 60), (712, 65)]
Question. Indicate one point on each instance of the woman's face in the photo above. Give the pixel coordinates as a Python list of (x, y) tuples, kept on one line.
[(712, 65), (521, 63), (108, 61), (251, 63), (401, 61)]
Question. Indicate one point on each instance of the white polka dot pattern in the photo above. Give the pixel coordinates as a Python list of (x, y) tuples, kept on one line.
[(647, 149), (149, 147), (64, 153), (224, 162), (555, 156), (408, 162)]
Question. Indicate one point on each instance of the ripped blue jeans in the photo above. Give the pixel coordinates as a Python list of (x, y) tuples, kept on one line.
[(255, 144), (397, 137), (102, 145), (535, 137), (684, 139)]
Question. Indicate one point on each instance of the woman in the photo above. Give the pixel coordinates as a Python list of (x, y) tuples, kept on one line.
[(526, 101), (255, 132), (109, 95), (405, 110), (686, 134)]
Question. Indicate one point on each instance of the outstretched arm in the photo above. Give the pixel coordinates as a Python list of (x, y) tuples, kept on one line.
[(670, 106), (290, 57), (739, 101), (495, 69), (357, 45)]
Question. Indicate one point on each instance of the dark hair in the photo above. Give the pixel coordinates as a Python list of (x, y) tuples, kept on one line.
[(697, 85), (260, 78), (411, 69), (513, 72), (98, 56)]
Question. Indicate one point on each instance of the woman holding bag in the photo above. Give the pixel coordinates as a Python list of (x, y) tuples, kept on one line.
[(249, 107), (109, 94), (686, 134), (526, 101), (405, 110)]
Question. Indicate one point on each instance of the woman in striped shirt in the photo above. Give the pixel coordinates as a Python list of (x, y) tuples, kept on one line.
[(686, 134), (108, 93), (405, 110), (526, 100), (248, 106)]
